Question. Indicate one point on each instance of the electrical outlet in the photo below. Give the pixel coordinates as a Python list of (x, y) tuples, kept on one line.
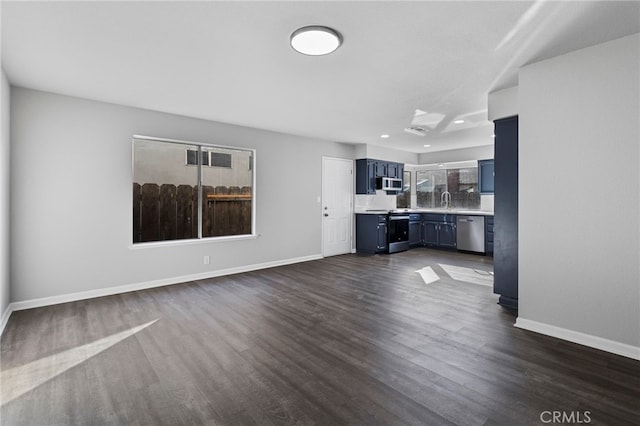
[(207, 260)]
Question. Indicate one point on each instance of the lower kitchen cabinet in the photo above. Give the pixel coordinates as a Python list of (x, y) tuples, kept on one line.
[(488, 235), (371, 233), (415, 230), (430, 233), (447, 235), (434, 230), (439, 230)]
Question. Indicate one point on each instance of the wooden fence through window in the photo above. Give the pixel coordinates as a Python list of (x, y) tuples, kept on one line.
[(170, 212)]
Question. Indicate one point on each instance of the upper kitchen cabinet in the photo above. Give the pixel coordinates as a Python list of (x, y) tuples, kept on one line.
[(366, 176), (395, 170), (367, 170), (381, 168), (505, 230), (486, 176)]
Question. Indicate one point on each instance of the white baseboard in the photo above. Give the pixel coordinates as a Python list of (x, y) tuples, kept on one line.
[(607, 345), (82, 295)]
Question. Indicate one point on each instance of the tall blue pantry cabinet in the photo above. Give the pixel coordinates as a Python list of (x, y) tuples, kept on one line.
[(505, 250)]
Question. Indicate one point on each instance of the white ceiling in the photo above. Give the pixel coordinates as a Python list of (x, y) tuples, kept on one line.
[(231, 61)]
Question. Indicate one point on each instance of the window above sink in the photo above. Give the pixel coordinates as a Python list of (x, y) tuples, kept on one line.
[(445, 185)]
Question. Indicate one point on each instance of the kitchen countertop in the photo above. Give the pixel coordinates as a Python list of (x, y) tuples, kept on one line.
[(439, 211)]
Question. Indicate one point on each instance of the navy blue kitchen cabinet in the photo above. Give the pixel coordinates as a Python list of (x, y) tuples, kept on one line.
[(488, 235), (439, 230), (430, 233), (395, 170), (366, 176), (368, 169), (381, 168), (447, 235), (415, 229), (486, 176), (505, 230), (371, 233)]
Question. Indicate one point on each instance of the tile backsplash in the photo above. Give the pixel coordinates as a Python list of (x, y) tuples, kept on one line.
[(380, 201), (486, 202)]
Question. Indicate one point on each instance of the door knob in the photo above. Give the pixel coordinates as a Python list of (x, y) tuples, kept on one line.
[(326, 214)]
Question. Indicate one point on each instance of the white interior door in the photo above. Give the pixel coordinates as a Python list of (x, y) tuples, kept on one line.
[(337, 205)]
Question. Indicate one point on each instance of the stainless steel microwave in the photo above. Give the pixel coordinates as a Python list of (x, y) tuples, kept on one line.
[(389, 184)]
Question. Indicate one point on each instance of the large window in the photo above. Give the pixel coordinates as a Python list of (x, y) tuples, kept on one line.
[(461, 183), (403, 199), (177, 197), (430, 184)]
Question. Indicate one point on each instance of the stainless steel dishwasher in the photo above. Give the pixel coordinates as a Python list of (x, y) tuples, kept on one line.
[(470, 230)]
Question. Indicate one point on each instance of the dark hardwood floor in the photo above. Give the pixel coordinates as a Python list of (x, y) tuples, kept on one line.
[(343, 340)]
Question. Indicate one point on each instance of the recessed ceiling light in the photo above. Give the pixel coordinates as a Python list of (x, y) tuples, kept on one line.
[(458, 122), (427, 146), (384, 136), (315, 40)]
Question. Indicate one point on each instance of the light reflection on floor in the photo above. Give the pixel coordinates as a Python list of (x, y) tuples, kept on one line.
[(469, 275), (458, 273), (428, 275), (19, 380)]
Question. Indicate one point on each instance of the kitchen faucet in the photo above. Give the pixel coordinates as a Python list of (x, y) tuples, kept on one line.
[(445, 200)]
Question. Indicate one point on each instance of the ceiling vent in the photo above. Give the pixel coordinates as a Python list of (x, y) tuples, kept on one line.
[(416, 130)]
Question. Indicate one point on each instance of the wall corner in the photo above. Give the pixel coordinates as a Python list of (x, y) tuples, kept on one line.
[(503, 103)]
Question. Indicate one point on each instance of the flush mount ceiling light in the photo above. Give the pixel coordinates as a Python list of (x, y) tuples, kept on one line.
[(315, 40), (385, 136)]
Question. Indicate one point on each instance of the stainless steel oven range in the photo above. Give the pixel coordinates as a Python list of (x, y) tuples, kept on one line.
[(398, 232)]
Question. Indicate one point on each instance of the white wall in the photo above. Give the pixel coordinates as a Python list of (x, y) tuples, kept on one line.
[(73, 233), (503, 103), (387, 154), (4, 198), (579, 196), (483, 152)]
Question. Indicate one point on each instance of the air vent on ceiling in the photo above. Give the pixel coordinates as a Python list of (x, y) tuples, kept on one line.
[(416, 130)]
